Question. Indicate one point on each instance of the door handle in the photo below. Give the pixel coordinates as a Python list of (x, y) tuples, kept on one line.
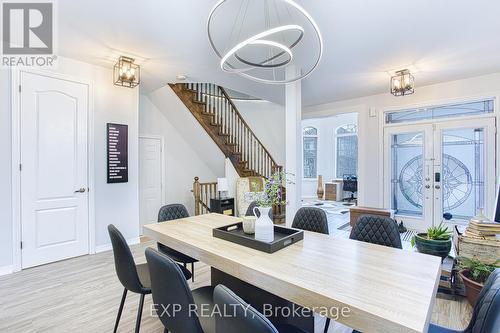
[(81, 190)]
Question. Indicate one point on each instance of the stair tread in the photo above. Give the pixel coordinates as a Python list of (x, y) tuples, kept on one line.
[(206, 115)]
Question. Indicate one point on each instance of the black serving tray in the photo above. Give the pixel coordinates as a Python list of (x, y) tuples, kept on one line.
[(282, 237)]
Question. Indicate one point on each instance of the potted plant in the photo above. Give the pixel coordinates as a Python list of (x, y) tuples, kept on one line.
[(474, 273), (436, 241)]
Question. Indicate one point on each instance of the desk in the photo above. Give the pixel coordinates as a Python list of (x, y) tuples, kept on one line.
[(386, 289)]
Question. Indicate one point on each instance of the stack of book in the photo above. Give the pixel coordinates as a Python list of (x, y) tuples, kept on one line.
[(482, 230), (445, 289)]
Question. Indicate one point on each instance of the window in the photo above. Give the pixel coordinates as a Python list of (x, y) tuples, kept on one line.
[(347, 150), (440, 111), (310, 151)]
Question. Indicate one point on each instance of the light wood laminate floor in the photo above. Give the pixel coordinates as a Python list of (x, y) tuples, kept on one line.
[(83, 295)]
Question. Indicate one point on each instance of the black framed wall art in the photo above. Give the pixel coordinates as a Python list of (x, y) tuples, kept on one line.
[(117, 148)]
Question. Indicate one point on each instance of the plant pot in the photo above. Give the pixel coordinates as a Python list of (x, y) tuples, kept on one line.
[(434, 247), (472, 287)]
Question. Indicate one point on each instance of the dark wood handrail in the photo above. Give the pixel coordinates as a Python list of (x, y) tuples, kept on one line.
[(244, 122), (217, 113)]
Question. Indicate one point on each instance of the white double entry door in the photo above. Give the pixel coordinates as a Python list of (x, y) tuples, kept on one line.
[(439, 171), (54, 168)]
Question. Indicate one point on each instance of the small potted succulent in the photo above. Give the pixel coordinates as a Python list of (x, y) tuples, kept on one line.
[(436, 241), (474, 273)]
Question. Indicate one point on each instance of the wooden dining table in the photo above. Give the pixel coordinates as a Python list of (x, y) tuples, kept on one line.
[(384, 289)]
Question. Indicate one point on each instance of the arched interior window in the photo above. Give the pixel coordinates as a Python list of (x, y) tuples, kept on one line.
[(347, 150), (310, 151)]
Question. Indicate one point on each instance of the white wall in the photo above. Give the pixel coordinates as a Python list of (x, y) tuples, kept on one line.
[(174, 110), (182, 161), (5, 171), (114, 203), (326, 127), (370, 130), (267, 121)]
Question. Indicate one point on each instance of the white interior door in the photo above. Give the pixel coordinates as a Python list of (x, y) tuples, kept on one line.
[(150, 179), (54, 155)]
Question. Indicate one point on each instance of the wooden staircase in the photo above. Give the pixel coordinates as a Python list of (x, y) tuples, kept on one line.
[(215, 111)]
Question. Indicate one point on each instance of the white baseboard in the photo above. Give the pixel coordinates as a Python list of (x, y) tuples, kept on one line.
[(108, 247), (4, 270)]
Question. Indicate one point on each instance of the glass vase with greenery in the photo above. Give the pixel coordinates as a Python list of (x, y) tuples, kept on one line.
[(273, 190)]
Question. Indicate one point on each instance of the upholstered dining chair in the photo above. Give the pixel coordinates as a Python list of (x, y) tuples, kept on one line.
[(486, 313), (174, 300), (244, 318), (377, 230), (250, 208), (311, 219), (134, 278), (173, 212)]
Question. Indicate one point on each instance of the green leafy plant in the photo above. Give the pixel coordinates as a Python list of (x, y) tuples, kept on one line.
[(440, 232), (478, 271), (273, 191)]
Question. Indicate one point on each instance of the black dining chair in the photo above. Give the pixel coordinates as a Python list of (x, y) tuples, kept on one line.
[(174, 300), (243, 318), (486, 313), (173, 212), (311, 219), (134, 278), (377, 230), (250, 208)]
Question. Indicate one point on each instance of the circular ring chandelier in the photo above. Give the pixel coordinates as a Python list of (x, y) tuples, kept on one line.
[(279, 53)]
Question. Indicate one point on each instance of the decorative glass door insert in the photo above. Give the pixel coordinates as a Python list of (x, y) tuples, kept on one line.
[(407, 151), (440, 171)]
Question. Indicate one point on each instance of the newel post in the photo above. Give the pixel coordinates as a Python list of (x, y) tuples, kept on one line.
[(196, 193)]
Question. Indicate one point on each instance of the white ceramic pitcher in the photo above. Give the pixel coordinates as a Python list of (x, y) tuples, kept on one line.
[(264, 227)]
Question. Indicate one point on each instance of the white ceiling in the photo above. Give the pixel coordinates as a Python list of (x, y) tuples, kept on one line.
[(364, 41)]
